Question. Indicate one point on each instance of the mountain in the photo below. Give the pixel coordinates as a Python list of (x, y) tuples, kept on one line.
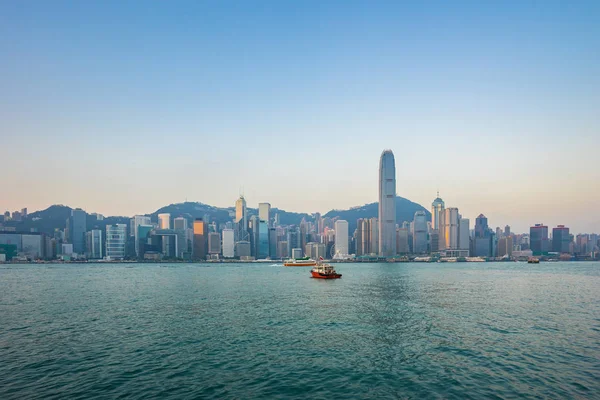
[(54, 217), (405, 211)]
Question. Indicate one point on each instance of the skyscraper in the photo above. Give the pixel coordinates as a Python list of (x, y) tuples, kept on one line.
[(164, 221), (561, 239), (449, 229), (77, 229), (538, 238), (214, 243), (241, 219), (264, 212), (263, 240), (420, 232), (136, 221), (387, 204), (116, 238), (228, 243), (437, 208), (93, 246), (341, 238), (200, 239)]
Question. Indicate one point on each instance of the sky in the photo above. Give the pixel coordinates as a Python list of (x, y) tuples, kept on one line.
[(122, 107)]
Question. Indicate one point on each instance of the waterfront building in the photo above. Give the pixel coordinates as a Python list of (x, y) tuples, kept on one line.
[(419, 232), (263, 240), (77, 228), (93, 244), (241, 220), (437, 208), (374, 236), (481, 226), (242, 250), (538, 239), (180, 226), (264, 213), (402, 241), (116, 239), (561, 239), (297, 253), (449, 229), (228, 243), (136, 221), (273, 242), (434, 241), (164, 221), (387, 205), (200, 239), (282, 249), (341, 238), (254, 235), (505, 246), (214, 243), (464, 242)]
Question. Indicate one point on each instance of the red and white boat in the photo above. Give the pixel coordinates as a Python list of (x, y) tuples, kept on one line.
[(324, 271)]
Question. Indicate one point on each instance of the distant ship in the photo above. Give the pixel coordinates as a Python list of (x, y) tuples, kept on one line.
[(324, 271), (300, 262), (533, 260)]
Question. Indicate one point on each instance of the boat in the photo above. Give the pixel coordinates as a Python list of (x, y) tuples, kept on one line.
[(324, 271), (533, 260), (300, 262)]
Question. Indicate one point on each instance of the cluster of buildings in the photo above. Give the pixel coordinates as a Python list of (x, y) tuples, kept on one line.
[(251, 235)]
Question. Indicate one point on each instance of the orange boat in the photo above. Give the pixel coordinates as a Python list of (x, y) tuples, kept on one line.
[(324, 271)]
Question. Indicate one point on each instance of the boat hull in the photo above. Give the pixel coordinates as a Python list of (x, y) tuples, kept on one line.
[(319, 275)]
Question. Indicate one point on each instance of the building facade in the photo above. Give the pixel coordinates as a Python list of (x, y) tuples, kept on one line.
[(387, 204)]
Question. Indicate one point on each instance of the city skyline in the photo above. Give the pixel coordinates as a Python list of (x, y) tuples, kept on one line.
[(496, 110)]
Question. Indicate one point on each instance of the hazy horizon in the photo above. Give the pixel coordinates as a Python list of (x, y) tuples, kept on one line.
[(121, 109)]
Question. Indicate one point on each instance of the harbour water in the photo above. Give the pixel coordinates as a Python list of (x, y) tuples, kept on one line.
[(473, 330)]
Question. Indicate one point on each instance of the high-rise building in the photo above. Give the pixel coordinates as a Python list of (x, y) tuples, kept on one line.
[(374, 236), (200, 239), (402, 241), (116, 239), (282, 249), (241, 220), (264, 212), (180, 226), (481, 226), (136, 221), (93, 244), (77, 229), (341, 238), (164, 221), (507, 230), (272, 242), (449, 231), (561, 239), (214, 243), (263, 240), (419, 232), (437, 208), (242, 249), (387, 205), (228, 243), (538, 239), (24, 212), (505, 246), (464, 234)]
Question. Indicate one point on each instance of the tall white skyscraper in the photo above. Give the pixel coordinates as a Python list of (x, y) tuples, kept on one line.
[(264, 212), (341, 238), (164, 221), (387, 204), (437, 208)]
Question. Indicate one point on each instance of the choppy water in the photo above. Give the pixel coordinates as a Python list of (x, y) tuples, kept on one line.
[(490, 330)]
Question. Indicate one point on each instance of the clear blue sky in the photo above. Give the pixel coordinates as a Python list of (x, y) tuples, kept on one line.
[(122, 107)]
